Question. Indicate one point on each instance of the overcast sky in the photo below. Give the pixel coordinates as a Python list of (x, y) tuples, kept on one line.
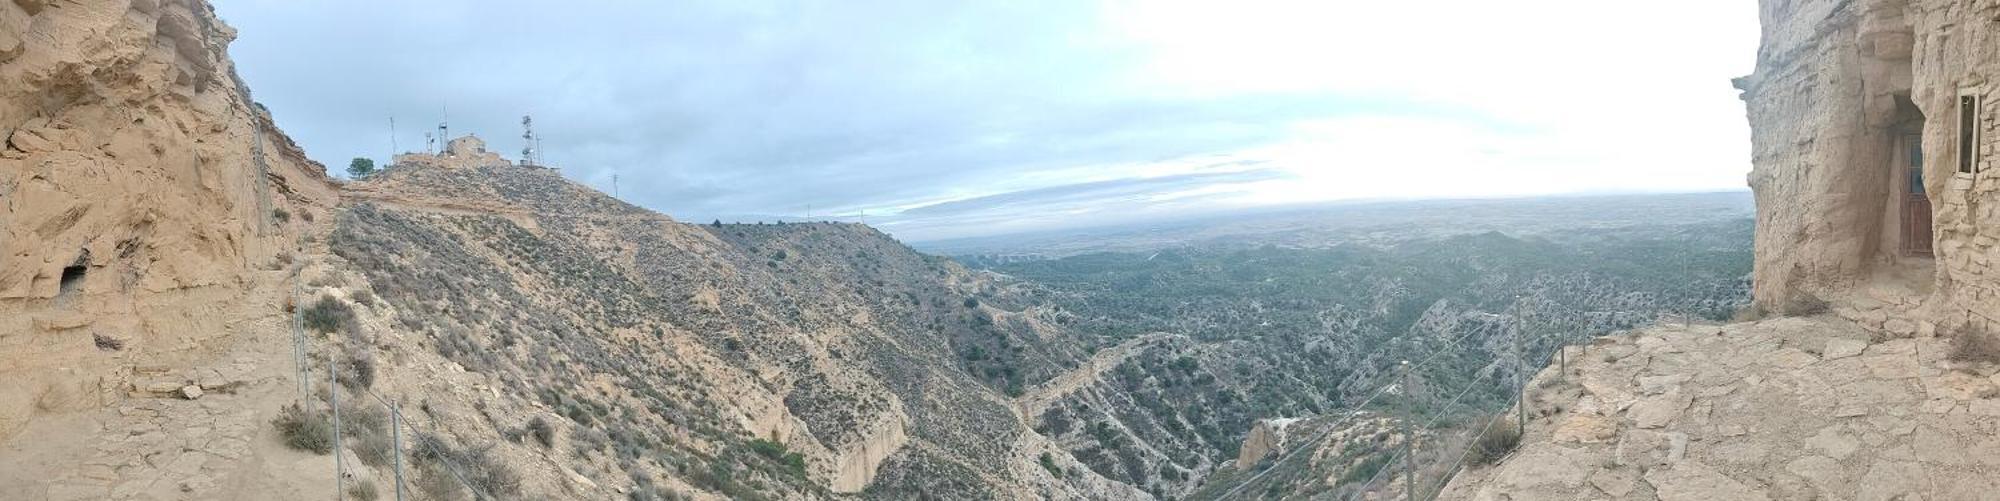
[(945, 119)]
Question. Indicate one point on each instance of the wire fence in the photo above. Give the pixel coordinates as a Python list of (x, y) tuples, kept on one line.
[(378, 451), (1428, 464)]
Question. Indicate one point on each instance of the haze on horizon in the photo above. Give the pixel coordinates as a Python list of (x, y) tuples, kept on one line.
[(957, 119)]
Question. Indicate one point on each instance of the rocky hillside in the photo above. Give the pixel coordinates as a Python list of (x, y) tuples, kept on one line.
[(669, 354), (149, 215), (1273, 333)]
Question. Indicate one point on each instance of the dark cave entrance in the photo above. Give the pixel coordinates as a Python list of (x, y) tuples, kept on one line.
[(72, 276)]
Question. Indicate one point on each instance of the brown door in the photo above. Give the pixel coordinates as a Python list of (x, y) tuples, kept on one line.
[(1916, 205)]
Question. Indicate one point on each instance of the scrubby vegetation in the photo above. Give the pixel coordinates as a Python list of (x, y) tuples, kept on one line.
[(1493, 443), (305, 430), (1288, 332), (357, 370), (328, 315), (1973, 345), (439, 466), (775, 290)]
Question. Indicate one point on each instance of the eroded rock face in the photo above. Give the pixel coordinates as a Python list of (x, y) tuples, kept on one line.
[(138, 184), (1854, 107)]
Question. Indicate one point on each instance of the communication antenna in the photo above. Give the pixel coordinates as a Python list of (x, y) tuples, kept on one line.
[(444, 132), (430, 143), (614, 185), (528, 139), (392, 140)]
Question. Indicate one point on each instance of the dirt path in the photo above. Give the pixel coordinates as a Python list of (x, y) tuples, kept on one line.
[(1039, 398), (1792, 408)]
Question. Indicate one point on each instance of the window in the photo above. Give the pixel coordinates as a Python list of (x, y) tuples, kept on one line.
[(1968, 133)]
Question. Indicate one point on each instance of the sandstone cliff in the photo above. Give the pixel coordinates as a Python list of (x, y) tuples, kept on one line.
[(1871, 128), (148, 209)]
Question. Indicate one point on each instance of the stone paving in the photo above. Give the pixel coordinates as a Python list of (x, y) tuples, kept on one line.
[(1788, 408)]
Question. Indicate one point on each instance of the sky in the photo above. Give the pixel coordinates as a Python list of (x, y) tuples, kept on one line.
[(942, 119)]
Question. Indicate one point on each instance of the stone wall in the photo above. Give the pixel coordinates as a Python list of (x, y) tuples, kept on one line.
[(1838, 83)]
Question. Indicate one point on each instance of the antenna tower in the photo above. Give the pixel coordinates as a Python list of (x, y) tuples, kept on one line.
[(531, 146)]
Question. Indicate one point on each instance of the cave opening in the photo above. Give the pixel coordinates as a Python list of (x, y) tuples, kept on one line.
[(72, 276)]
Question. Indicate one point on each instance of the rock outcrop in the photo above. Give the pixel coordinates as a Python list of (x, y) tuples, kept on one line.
[(1872, 130), (142, 194)]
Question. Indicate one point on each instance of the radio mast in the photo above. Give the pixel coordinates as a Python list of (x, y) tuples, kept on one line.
[(530, 145)]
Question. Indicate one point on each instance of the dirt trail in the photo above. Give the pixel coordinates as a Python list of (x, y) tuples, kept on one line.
[(1039, 398), (151, 442), (1791, 408)]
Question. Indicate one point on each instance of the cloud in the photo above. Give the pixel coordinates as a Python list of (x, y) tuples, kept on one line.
[(703, 108)]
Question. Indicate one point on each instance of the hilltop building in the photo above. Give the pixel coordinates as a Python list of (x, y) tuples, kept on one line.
[(462, 152)]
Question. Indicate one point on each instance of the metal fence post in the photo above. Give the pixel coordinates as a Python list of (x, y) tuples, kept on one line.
[(339, 468), (1520, 373), (1409, 436), (396, 420)]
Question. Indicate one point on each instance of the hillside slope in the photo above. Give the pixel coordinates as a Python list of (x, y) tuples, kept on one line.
[(662, 350)]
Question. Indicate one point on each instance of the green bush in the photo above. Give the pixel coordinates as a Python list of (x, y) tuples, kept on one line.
[(360, 167), (777, 452), (1366, 469), (328, 315)]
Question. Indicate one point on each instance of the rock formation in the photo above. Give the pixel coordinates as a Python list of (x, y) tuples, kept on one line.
[(138, 185), (1871, 128), (1871, 124)]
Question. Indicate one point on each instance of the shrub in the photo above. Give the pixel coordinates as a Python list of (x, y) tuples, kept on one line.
[(357, 371), (777, 452), (543, 432), (360, 167), (1049, 463), (487, 476), (374, 449), (1974, 345), (1804, 304), (305, 430), (1495, 442), (328, 315), (1365, 470), (1749, 313), (364, 491), (280, 215)]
